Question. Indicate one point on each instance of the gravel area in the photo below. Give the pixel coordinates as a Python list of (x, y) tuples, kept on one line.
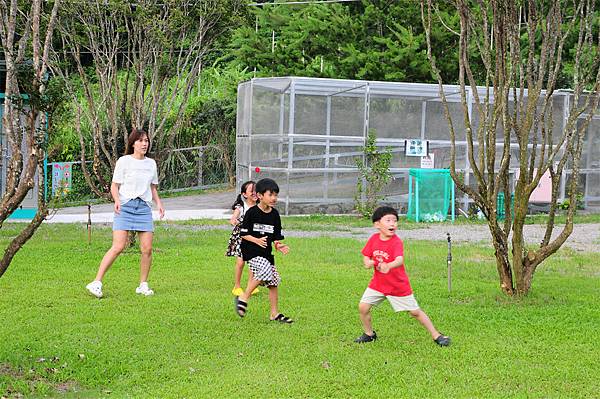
[(584, 238)]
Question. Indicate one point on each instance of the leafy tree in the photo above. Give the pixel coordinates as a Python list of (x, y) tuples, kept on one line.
[(521, 46), (212, 115), (137, 64), (288, 38), (374, 175), (373, 40), (26, 31)]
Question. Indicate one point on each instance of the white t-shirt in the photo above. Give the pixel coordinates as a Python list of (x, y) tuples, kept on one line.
[(246, 206), (135, 177)]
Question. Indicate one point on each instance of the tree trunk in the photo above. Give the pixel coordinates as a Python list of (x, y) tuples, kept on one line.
[(503, 262), (147, 57), (229, 165), (17, 243), (25, 115), (518, 241), (517, 50)]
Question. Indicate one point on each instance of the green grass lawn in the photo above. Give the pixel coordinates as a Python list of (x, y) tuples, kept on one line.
[(187, 342)]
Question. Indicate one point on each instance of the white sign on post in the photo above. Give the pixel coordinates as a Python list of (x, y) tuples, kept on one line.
[(427, 162), (416, 148)]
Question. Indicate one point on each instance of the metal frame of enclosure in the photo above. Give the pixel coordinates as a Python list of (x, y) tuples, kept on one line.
[(307, 133), (28, 207)]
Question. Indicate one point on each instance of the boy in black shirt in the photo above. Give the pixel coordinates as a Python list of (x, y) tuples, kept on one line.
[(261, 228)]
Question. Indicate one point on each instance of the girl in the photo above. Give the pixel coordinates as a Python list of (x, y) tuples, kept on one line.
[(244, 201), (134, 186)]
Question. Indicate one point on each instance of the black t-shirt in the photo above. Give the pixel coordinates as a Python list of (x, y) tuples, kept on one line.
[(259, 224)]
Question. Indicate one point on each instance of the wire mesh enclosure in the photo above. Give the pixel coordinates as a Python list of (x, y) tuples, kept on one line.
[(430, 195), (28, 207), (307, 133), (193, 168)]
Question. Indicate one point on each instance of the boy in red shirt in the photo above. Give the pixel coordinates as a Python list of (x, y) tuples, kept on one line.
[(384, 252)]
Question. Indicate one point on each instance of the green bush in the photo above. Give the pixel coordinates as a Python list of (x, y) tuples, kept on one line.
[(374, 174)]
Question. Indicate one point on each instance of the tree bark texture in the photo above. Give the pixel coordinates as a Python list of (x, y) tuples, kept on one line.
[(520, 46), (146, 61), (26, 31)]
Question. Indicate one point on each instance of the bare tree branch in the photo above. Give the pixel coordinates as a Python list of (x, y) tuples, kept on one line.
[(146, 62), (25, 115), (522, 59)]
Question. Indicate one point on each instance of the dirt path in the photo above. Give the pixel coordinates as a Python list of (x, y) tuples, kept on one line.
[(585, 237)]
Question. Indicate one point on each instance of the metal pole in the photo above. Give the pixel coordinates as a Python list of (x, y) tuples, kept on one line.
[(449, 263), (416, 198), (291, 131), (200, 165), (327, 148), (89, 224)]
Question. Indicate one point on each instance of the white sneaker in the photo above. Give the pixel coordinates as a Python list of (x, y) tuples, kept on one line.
[(144, 289), (95, 288)]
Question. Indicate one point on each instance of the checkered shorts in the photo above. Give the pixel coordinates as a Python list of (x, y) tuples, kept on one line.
[(264, 271)]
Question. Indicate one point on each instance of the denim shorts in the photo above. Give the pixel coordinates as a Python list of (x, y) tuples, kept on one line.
[(135, 215)]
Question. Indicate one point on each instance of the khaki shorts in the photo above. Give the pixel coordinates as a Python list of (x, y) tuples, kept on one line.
[(399, 303)]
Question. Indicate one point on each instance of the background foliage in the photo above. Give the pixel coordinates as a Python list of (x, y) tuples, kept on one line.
[(372, 39)]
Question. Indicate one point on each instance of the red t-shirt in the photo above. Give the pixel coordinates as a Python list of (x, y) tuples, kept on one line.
[(395, 282)]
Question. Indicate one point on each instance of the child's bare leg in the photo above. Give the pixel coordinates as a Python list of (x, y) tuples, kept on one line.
[(425, 321), (364, 309), (273, 299), (252, 284), (239, 265)]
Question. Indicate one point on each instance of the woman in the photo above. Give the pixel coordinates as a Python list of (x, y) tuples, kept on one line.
[(134, 186)]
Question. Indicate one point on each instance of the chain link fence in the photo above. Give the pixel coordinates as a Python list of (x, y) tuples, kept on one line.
[(181, 169)]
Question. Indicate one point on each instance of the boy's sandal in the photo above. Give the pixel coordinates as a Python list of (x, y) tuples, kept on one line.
[(282, 319), (442, 340), (240, 306)]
